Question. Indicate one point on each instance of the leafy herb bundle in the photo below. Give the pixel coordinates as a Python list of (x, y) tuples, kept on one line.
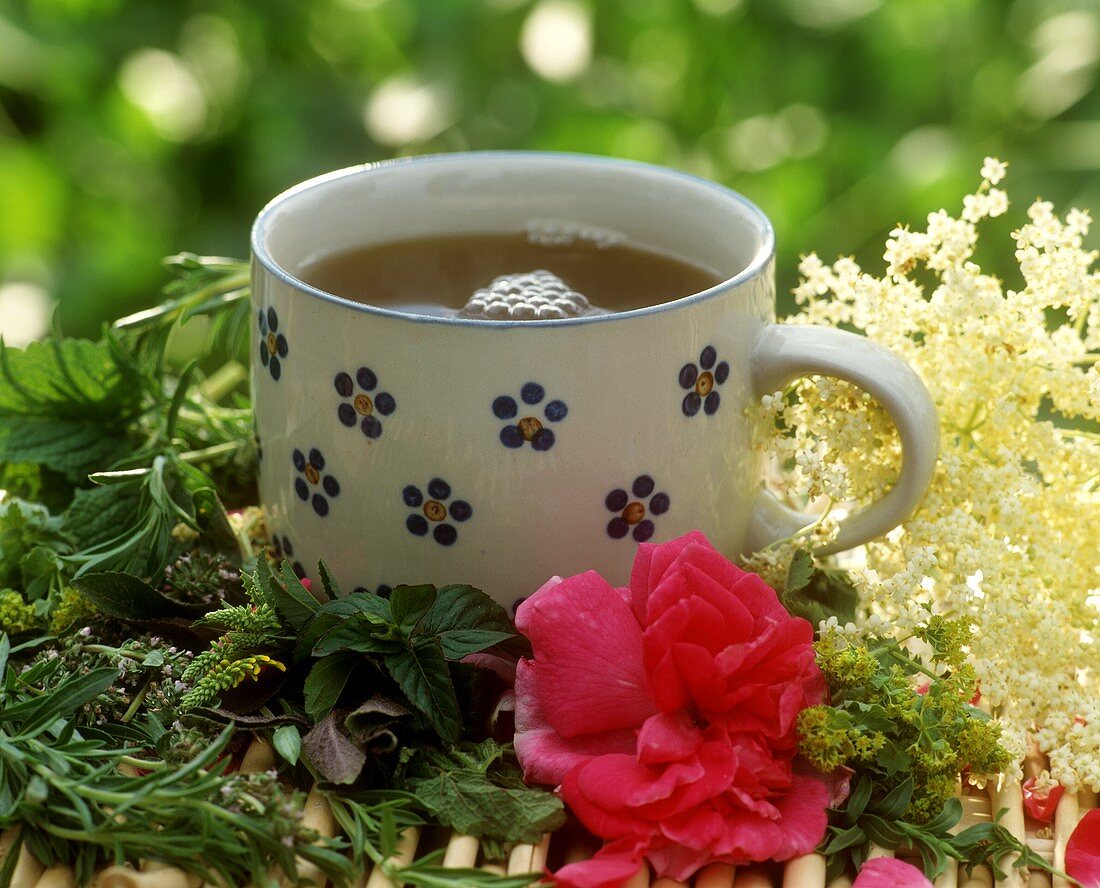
[(145, 637)]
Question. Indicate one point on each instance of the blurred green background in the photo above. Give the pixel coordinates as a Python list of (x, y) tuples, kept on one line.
[(130, 129)]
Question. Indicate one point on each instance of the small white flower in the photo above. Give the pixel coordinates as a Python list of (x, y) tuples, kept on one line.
[(993, 170)]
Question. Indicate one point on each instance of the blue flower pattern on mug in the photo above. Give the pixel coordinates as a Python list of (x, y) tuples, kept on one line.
[(433, 511), (361, 407), (283, 548), (310, 485), (633, 511), (529, 429), (701, 381), (273, 344)]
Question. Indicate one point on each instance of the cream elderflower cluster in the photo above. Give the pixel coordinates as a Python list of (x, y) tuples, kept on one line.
[(1009, 532)]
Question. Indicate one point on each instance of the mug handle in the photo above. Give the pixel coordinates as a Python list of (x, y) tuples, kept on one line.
[(785, 352)]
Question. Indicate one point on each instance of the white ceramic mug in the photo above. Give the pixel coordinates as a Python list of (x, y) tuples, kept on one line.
[(389, 439)]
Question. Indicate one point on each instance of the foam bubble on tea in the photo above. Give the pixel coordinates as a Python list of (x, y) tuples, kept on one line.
[(530, 296)]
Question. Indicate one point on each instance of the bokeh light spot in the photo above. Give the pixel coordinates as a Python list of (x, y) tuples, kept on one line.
[(161, 85), (403, 110), (556, 40), (25, 310), (925, 154)]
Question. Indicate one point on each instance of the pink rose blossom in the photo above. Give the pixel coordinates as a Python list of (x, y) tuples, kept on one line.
[(1083, 851), (888, 872), (666, 714)]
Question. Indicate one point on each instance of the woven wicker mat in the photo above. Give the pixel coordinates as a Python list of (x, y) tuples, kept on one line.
[(566, 846)]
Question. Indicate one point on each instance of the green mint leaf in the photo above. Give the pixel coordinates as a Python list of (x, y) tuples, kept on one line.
[(331, 754), (458, 643), (96, 513), (325, 683), (74, 448), (800, 571), (468, 791), (24, 526), (357, 634), (328, 581), (142, 543), (287, 595), (466, 621), (409, 604), (331, 614), (421, 672), (126, 597), (66, 404), (287, 741), (825, 593)]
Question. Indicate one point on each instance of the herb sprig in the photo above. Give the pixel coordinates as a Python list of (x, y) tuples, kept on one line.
[(908, 729)]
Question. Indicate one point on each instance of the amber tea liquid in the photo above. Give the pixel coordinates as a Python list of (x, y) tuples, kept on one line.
[(438, 275)]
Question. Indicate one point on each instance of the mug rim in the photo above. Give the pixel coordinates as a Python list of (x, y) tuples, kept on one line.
[(762, 257)]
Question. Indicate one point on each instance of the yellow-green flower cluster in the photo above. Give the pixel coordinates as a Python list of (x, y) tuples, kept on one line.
[(225, 675), (72, 611), (15, 614), (1008, 535), (894, 719)]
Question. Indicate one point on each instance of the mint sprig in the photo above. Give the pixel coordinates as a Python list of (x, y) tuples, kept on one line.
[(413, 637)]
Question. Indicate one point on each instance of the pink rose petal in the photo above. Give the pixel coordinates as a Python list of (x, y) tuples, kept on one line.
[(650, 564), (588, 653), (676, 861), (610, 867), (546, 756), (1083, 851), (668, 737), (888, 872)]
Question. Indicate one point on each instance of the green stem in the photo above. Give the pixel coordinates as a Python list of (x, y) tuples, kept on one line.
[(212, 452), (144, 764), (895, 653), (136, 704), (222, 381)]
